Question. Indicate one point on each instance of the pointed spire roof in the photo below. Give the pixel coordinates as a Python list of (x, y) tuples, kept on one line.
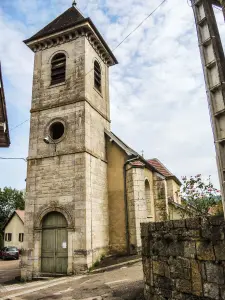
[(69, 18), (72, 17)]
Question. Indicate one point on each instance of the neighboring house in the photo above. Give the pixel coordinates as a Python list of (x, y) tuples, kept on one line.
[(4, 129), (14, 230), (87, 191), (180, 211)]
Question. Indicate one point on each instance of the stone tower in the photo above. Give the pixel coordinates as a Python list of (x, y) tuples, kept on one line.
[(66, 214)]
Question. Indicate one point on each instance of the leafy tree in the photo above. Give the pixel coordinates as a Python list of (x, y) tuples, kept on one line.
[(199, 194), (10, 200)]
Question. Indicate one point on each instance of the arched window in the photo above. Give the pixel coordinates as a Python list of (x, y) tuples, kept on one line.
[(97, 76), (58, 68), (148, 198)]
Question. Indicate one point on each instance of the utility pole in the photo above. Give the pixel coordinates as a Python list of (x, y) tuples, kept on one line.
[(213, 63)]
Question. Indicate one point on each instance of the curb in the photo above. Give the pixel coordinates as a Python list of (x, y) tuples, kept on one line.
[(113, 267)]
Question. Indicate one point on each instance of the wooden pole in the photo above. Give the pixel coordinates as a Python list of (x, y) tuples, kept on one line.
[(213, 63)]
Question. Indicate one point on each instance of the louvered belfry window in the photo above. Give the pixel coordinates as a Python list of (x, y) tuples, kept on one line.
[(97, 76), (58, 69)]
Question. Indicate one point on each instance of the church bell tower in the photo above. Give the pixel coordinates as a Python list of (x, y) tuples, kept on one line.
[(66, 213)]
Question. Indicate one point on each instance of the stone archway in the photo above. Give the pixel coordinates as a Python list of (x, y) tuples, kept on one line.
[(53, 208)]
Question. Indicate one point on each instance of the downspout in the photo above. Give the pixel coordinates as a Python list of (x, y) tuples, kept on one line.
[(126, 203)]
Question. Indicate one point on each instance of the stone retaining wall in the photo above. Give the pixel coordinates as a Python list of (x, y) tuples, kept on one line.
[(184, 259)]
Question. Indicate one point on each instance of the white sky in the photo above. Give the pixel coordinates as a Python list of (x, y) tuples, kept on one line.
[(158, 99)]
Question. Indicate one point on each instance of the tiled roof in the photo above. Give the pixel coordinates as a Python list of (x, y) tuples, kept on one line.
[(4, 129), (69, 18), (154, 164), (21, 214), (137, 163), (160, 167)]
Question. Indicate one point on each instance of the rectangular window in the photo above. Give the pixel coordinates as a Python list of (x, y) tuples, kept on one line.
[(21, 236), (97, 76), (8, 237)]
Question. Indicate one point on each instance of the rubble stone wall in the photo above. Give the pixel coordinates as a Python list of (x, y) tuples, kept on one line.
[(184, 259)]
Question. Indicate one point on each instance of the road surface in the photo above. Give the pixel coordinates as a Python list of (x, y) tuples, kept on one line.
[(125, 283), (9, 269)]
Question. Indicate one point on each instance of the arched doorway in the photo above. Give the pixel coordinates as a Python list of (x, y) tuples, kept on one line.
[(54, 249)]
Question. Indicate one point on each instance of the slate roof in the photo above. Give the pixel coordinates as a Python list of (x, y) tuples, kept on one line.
[(67, 19), (4, 129), (140, 161), (120, 143), (20, 214), (154, 164)]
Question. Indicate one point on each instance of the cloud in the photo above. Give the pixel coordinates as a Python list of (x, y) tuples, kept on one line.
[(158, 100)]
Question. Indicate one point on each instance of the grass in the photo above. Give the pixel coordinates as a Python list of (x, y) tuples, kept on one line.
[(96, 263)]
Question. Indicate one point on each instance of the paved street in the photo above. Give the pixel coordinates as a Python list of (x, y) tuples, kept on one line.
[(124, 283), (9, 269)]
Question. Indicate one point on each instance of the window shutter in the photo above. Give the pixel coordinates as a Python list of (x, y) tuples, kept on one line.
[(58, 71), (97, 76)]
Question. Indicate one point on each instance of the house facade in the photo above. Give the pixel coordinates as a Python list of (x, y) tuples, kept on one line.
[(14, 230), (87, 191), (4, 129)]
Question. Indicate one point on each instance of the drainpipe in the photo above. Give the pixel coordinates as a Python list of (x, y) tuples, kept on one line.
[(126, 203)]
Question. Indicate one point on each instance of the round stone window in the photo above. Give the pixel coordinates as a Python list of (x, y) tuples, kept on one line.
[(56, 130)]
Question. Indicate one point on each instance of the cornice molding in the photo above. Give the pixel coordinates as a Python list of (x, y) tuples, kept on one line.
[(68, 102), (66, 36), (63, 153)]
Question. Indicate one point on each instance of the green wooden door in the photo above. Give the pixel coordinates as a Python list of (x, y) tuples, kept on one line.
[(54, 256)]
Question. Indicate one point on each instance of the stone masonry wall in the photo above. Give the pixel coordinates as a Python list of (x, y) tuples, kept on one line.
[(137, 208), (160, 198), (184, 259), (97, 219), (71, 176)]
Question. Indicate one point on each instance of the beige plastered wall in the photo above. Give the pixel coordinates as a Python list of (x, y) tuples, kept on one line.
[(117, 222), (173, 190), (136, 202), (15, 227), (176, 213)]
